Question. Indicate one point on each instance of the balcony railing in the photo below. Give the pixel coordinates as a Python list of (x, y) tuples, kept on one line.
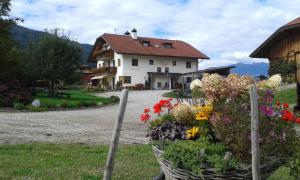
[(105, 71)]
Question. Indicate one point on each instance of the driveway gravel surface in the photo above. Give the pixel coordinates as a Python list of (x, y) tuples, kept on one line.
[(87, 126)]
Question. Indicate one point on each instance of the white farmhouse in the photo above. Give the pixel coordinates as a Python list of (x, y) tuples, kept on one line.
[(129, 60)]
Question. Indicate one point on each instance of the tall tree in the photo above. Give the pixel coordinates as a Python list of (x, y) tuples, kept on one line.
[(11, 88), (8, 52), (53, 58)]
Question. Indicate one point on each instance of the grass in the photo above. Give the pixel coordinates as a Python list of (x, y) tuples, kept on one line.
[(53, 161), (288, 96), (174, 94), (77, 98), (62, 161)]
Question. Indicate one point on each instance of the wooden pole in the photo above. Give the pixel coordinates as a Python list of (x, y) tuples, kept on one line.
[(254, 134), (115, 138)]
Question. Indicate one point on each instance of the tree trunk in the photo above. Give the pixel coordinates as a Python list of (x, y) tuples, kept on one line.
[(51, 87)]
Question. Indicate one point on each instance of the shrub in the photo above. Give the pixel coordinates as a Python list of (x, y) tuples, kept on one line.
[(139, 86), (192, 155), (114, 99), (183, 113), (64, 104), (19, 106)]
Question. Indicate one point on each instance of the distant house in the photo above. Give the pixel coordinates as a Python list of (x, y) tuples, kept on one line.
[(128, 59), (283, 44)]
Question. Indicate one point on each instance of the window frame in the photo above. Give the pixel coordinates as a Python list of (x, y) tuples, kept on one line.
[(134, 60), (127, 81), (158, 69), (167, 69), (174, 63), (188, 64), (151, 60), (119, 62), (189, 79)]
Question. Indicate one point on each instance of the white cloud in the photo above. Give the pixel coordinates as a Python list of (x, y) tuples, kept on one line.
[(227, 31)]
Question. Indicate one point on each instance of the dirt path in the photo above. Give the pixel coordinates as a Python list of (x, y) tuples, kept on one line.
[(89, 126)]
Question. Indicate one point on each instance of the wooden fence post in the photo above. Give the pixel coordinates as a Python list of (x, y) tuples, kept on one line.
[(115, 138), (254, 134)]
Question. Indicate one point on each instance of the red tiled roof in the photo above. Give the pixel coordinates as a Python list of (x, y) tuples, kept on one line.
[(126, 45)]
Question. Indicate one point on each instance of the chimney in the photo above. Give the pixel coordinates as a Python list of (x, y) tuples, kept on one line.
[(127, 33), (134, 33)]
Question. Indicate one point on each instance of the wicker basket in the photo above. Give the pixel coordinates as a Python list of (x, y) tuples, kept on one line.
[(209, 173)]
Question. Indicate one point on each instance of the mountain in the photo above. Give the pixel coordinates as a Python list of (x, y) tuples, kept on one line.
[(251, 69), (23, 36)]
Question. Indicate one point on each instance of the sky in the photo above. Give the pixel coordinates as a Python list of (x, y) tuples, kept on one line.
[(226, 31)]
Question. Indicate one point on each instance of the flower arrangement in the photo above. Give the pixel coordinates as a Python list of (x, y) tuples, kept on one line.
[(222, 124)]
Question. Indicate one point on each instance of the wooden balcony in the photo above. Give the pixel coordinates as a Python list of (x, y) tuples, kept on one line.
[(105, 71)]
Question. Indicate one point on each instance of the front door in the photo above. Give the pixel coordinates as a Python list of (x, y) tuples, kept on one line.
[(172, 83)]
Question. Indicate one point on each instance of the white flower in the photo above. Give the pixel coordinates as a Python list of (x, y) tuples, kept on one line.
[(196, 83), (276, 79)]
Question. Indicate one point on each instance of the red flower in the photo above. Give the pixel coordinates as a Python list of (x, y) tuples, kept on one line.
[(157, 108), (278, 103), (287, 115), (146, 110), (145, 117), (297, 120), (285, 105)]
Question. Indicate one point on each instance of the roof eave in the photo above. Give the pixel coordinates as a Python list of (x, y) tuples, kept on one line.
[(259, 52)]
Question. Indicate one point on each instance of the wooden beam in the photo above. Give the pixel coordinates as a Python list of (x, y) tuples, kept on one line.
[(116, 136), (254, 134)]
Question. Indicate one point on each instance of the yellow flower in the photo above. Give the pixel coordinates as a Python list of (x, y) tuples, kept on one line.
[(191, 133), (203, 112)]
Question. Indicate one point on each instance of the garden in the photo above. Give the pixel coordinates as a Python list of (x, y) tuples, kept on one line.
[(210, 136), (73, 99)]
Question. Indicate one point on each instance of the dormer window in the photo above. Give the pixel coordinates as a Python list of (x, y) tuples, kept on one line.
[(168, 45), (146, 43)]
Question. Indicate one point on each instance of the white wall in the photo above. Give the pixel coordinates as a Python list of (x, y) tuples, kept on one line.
[(139, 73)]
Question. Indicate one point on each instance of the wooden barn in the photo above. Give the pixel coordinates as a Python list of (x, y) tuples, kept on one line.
[(283, 44)]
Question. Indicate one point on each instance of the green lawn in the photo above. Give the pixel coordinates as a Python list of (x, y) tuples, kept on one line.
[(61, 161), (288, 96), (77, 98), (52, 161)]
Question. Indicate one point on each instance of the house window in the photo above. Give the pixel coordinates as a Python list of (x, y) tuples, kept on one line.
[(158, 69), (174, 63), (146, 43), (166, 85), (127, 79), (151, 61), (166, 69), (114, 63), (168, 45), (158, 85), (135, 62), (119, 62), (108, 63), (188, 64), (188, 79)]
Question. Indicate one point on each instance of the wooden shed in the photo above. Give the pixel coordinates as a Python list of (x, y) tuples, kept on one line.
[(283, 44)]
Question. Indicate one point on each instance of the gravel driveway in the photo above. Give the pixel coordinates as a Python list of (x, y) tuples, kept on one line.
[(88, 126)]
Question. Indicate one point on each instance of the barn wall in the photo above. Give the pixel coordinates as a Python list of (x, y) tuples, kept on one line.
[(286, 48)]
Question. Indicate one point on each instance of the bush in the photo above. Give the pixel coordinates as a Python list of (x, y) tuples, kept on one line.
[(90, 88), (183, 113), (19, 106), (114, 99), (182, 154)]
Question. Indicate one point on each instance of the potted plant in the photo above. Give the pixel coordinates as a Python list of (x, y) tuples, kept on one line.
[(210, 138)]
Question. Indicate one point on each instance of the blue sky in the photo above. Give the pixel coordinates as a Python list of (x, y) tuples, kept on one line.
[(226, 31)]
